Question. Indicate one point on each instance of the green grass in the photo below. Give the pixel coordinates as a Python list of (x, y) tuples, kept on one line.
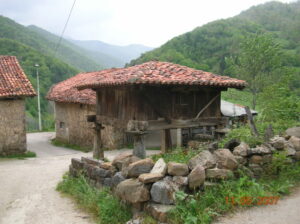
[(179, 155), (204, 207), (101, 203), (70, 146), (27, 154)]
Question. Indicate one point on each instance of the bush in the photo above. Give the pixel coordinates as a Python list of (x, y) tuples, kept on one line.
[(178, 155), (101, 203)]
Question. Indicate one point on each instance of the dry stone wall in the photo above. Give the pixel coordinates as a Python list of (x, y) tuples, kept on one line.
[(152, 186), (12, 127)]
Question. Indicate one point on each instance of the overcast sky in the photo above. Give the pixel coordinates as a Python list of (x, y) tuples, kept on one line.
[(122, 22)]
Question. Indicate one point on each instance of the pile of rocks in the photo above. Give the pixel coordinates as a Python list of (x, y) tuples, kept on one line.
[(152, 186)]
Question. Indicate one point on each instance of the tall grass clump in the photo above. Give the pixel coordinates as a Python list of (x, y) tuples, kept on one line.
[(106, 208)]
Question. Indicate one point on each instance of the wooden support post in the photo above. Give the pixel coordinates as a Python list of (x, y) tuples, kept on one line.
[(98, 150), (179, 137), (139, 149), (251, 122), (166, 140)]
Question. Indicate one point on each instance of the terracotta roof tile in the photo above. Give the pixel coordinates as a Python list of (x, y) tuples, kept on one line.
[(13, 81), (66, 92), (158, 73)]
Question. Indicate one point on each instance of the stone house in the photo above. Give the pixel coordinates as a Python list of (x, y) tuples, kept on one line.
[(71, 108), (14, 88)]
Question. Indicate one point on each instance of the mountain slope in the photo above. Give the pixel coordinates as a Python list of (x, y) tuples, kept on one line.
[(122, 54), (31, 37), (207, 47)]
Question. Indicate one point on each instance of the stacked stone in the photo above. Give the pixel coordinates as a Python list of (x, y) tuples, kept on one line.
[(152, 186)]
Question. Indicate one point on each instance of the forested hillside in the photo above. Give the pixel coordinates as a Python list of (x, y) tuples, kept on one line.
[(47, 46), (207, 47)]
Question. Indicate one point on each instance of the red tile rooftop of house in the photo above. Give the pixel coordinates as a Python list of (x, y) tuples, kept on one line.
[(158, 73), (65, 91), (13, 81)]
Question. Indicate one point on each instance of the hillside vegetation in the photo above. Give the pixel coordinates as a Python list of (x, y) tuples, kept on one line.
[(207, 47)]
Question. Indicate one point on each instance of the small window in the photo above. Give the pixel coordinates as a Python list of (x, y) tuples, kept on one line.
[(61, 124)]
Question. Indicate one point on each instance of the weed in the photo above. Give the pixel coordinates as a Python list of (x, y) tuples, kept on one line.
[(106, 208), (27, 154), (70, 146)]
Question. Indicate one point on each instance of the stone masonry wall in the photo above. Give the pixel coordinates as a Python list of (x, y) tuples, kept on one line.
[(72, 127), (12, 127), (152, 186)]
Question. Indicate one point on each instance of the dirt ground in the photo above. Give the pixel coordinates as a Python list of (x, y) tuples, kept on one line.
[(27, 187)]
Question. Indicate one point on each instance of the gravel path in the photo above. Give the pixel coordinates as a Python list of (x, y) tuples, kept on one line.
[(27, 187)]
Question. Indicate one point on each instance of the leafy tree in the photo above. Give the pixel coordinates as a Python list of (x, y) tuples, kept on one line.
[(279, 101), (257, 63)]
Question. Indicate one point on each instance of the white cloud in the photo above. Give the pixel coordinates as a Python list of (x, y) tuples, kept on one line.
[(123, 22)]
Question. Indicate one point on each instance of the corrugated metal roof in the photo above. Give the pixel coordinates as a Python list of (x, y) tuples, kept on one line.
[(233, 110)]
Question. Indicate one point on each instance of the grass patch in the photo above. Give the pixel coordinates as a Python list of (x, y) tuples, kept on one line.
[(25, 155), (204, 207), (70, 146), (179, 155), (101, 203)]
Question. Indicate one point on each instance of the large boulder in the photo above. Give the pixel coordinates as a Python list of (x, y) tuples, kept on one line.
[(204, 158), (295, 131), (177, 169), (259, 150), (180, 180), (218, 173), (197, 177), (225, 159), (123, 160), (256, 159), (117, 178), (241, 149), (77, 164), (278, 142), (140, 167), (132, 191), (91, 161), (163, 191), (158, 211), (150, 177), (295, 142), (159, 167)]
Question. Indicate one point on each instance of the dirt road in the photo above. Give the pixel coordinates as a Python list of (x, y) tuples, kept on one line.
[(27, 187), (286, 211)]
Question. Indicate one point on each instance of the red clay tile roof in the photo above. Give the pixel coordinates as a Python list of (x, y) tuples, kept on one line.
[(13, 81), (158, 73), (66, 92)]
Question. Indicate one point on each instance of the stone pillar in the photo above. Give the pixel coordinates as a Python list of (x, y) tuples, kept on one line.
[(179, 137), (139, 149)]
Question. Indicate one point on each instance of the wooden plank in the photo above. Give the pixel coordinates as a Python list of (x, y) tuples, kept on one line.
[(206, 106), (161, 124), (251, 121), (163, 144), (98, 152)]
